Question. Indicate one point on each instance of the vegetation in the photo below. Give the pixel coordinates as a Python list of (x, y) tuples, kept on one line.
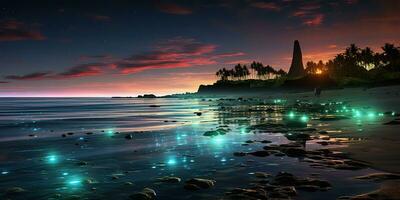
[(355, 66), (241, 72), (359, 63)]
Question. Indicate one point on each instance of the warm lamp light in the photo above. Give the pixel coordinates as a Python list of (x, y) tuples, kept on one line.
[(318, 71)]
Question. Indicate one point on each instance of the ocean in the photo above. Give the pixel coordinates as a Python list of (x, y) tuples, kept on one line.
[(103, 148)]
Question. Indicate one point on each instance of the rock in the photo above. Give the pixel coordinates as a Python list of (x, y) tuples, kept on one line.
[(266, 141), (250, 194), (393, 122), (279, 154), (89, 181), (239, 154), (32, 135), (198, 113), (145, 194), (296, 69), (147, 96), (308, 188), (63, 135), (70, 133), (14, 190), (379, 176), (169, 179), (191, 187), (249, 141), (154, 106), (259, 153), (128, 183), (89, 133), (262, 174), (283, 192), (201, 183), (129, 136), (217, 132), (294, 152), (82, 163), (332, 117), (321, 184), (284, 179), (297, 136)]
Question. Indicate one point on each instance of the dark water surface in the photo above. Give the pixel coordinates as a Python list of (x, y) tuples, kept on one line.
[(166, 141)]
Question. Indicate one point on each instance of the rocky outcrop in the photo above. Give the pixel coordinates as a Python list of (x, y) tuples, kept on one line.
[(296, 69)]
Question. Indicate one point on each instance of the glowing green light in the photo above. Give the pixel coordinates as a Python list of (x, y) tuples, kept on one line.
[(74, 182), (110, 132), (171, 161), (393, 113), (65, 174), (304, 118), (291, 115), (52, 159), (218, 140), (243, 130), (371, 114), (380, 114), (357, 113)]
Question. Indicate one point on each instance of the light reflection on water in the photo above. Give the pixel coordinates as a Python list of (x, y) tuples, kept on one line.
[(52, 165)]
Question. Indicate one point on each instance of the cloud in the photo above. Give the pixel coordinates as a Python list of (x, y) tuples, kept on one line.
[(82, 70), (266, 5), (99, 18), (13, 30), (314, 20), (172, 8), (309, 13), (175, 53), (32, 76)]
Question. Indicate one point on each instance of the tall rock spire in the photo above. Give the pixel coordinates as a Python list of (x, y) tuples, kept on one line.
[(296, 69)]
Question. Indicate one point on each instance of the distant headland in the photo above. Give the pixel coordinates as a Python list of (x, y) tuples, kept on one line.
[(355, 67)]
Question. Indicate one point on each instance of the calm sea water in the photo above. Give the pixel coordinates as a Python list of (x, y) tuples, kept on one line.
[(166, 140)]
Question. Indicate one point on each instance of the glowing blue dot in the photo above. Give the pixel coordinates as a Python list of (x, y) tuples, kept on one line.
[(4, 172), (65, 174), (223, 160), (52, 159), (171, 161)]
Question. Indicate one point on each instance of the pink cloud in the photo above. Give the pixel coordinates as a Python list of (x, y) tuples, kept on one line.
[(266, 5), (315, 20), (13, 30), (175, 53)]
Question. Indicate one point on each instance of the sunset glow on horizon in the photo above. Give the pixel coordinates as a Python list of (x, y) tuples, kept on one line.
[(51, 49)]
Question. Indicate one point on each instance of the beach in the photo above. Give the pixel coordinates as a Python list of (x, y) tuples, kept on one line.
[(198, 148)]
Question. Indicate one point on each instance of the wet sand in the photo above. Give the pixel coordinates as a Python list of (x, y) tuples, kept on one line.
[(380, 146)]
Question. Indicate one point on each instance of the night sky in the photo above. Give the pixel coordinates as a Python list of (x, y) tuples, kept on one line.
[(107, 48)]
